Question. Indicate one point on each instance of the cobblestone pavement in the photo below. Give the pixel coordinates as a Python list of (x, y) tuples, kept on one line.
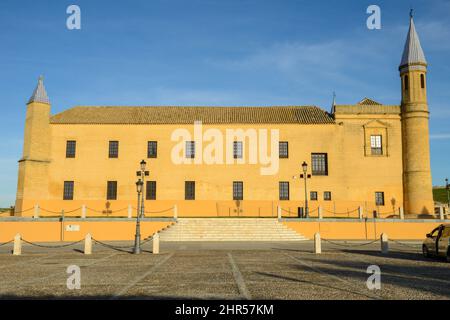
[(225, 271)]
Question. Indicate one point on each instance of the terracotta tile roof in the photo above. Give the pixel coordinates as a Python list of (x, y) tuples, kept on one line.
[(369, 102), (187, 115)]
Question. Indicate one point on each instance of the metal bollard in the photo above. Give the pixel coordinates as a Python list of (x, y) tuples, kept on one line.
[(130, 211), (36, 212), (88, 244), (401, 213), (156, 243), (317, 243), (17, 245), (360, 212), (384, 243)]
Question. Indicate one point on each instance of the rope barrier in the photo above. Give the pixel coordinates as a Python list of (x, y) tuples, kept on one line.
[(52, 247), (19, 212), (111, 246), (155, 212), (334, 212), (121, 248), (4, 244), (49, 211), (418, 247), (351, 246)]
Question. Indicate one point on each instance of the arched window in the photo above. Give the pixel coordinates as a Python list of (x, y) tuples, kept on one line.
[(406, 83), (422, 81)]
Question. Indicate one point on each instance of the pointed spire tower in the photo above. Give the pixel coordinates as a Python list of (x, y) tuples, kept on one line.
[(33, 167), (417, 185), (39, 94)]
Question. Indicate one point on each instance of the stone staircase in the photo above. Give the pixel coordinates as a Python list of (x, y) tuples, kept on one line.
[(229, 229)]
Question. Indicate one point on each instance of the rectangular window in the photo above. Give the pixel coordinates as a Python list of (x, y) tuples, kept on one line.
[(327, 196), (284, 190), (111, 192), (284, 149), (71, 147), (319, 164), (237, 150), (313, 195), (190, 149), (238, 190), (379, 198), (189, 190), (376, 145), (68, 190), (114, 149), (152, 149), (151, 190)]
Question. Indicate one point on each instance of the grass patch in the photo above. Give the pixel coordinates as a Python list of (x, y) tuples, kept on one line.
[(440, 195)]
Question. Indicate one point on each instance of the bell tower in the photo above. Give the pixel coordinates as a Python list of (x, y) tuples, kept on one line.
[(33, 166), (417, 184)]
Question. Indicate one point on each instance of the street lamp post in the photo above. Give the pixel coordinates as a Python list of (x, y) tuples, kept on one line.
[(305, 177), (143, 174), (140, 187), (447, 186), (137, 237)]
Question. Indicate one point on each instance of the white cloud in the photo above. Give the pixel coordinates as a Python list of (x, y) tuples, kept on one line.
[(440, 136)]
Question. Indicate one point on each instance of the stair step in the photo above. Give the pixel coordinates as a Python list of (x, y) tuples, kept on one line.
[(229, 229)]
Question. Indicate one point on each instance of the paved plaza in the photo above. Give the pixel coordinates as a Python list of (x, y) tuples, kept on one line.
[(225, 271)]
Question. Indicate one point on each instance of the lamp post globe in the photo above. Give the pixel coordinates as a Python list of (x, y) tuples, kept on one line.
[(143, 165), (305, 167), (305, 176)]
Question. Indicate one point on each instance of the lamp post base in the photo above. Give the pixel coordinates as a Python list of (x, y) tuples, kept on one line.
[(137, 245)]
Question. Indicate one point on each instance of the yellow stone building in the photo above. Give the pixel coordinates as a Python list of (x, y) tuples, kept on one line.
[(361, 158)]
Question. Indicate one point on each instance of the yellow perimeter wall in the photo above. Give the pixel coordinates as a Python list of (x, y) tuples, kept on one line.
[(369, 230), (124, 230), (50, 231)]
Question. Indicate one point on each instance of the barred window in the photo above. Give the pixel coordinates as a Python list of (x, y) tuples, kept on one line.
[(327, 196), (284, 150), (68, 190), (111, 192), (152, 149), (238, 190), (189, 190), (151, 190), (284, 190), (319, 164), (379, 198), (376, 145), (313, 195), (190, 149), (71, 147), (114, 149), (237, 150)]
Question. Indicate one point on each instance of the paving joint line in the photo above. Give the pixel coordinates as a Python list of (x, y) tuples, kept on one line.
[(239, 278), (138, 279), (329, 275)]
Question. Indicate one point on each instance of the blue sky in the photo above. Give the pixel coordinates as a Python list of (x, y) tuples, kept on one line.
[(211, 52)]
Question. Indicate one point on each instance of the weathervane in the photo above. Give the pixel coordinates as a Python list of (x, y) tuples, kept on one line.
[(411, 13)]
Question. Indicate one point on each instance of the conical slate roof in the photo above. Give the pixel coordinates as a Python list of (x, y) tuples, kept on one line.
[(413, 53), (39, 94)]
